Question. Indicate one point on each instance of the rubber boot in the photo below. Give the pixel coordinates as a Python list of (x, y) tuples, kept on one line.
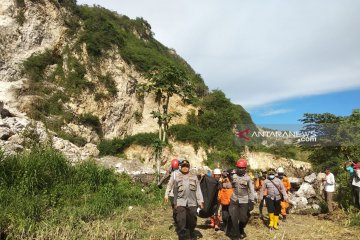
[(212, 222), (242, 233), (284, 218), (271, 218), (216, 223), (276, 221)]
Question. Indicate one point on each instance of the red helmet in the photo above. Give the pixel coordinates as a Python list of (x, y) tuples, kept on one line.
[(241, 163), (174, 164)]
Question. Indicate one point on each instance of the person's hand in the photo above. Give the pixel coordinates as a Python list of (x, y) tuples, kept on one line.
[(166, 199), (202, 205)]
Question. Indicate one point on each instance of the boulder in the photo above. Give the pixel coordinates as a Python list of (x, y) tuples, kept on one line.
[(89, 150), (298, 202), (5, 133), (320, 176), (310, 178), (306, 190)]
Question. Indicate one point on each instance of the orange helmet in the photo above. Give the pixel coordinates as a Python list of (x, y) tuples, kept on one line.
[(241, 163), (174, 164)]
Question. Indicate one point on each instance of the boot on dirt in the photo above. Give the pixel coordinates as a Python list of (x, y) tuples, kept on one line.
[(276, 221), (242, 234), (271, 219), (193, 236), (283, 218)]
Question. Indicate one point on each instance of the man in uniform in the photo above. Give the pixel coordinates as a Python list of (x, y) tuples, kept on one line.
[(242, 201), (187, 197)]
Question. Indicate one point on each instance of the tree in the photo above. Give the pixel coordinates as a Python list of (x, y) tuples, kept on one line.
[(165, 82)]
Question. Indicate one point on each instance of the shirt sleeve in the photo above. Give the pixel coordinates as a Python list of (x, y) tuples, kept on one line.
[(251, 190), (170, 185), (330, 180)]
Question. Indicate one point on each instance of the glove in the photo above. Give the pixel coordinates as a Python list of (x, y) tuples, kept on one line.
[(251, 205)]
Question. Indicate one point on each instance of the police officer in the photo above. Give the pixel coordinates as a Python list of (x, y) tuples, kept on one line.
[(242, 201), (187, 197)]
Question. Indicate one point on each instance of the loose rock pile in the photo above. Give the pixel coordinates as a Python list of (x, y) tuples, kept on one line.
[(306, 193)]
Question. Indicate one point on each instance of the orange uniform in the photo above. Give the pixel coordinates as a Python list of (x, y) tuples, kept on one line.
[(285, 205), (225, 193)]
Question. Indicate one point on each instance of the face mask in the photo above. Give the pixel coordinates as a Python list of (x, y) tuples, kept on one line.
[(271, 177), (241, 172)]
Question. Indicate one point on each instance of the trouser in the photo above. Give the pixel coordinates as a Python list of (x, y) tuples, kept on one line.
[(273, 206), (328, 198), (356, 195), (185, 219), (173, 208), (239, 216), (225, 214), (261, 206), (284, 205)]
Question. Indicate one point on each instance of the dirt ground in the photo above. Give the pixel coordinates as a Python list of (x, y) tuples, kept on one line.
[(296, 227)]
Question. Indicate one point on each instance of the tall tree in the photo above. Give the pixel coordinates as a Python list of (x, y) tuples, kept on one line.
[(165, 82)]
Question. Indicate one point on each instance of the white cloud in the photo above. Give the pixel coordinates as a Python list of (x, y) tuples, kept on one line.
[(259, 52), (275, 112)]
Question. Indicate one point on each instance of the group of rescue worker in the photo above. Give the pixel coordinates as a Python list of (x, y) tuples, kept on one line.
[(237, 191)]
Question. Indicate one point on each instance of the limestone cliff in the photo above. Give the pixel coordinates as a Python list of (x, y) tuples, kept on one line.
[(31, 28)]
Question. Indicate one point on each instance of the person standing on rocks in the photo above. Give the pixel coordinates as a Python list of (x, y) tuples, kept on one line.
[(242, 201), (329, 188), (276, 193), (187, 197)]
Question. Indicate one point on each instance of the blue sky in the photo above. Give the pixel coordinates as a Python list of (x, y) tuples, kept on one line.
[(278, 59), (289, 111)]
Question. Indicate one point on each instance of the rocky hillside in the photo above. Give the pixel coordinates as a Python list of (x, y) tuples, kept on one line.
[(72, 72)]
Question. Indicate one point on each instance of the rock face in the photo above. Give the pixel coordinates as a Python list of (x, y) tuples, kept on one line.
[(264, 161), (178, 151), (43, 28), (39, 26), (19, 133)]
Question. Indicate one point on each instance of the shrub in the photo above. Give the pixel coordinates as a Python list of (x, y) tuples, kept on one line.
[(92, 121), (109, 84), (41, 188), (35, 65), (117, 146)]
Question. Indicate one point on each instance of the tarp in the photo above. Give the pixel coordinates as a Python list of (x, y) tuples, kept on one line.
[(209, 188)]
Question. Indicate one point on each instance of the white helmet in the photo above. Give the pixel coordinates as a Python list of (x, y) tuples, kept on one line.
[(217, 171), (280, 170)]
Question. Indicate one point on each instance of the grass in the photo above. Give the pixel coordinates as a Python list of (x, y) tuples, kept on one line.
[(43, 194)]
